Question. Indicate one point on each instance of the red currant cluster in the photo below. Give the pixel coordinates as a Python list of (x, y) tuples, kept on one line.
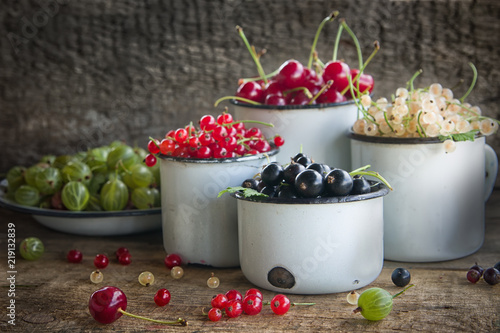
[(220, 137), (295, 84), (233, 304)]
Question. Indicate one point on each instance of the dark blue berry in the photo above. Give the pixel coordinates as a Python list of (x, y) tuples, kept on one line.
[(401, 277)]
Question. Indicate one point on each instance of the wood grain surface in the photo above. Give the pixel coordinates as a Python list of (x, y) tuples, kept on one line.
[(51, 295)]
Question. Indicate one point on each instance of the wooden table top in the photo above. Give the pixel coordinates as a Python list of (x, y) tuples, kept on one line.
[(51, 295)]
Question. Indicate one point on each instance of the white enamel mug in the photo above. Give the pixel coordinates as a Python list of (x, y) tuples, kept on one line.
[(437, 208), (312, 246), (319, 129), (198, 226)]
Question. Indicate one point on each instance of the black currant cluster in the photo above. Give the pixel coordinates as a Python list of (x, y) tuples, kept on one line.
[(490, 275), (303, 178)]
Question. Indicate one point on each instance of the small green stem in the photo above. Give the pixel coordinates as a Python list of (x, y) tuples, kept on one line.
[(402, 291), (372, 174), (252, 53), (246, 100), (410, 83), (304, 89), (356, 42), (249, 121), (179, 321), (268, 76), (292, 304), (329, 18), (473, 83), (363, 168), (337, 42)]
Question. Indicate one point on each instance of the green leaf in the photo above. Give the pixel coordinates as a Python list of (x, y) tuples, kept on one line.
[(247, 192), (468, 136)]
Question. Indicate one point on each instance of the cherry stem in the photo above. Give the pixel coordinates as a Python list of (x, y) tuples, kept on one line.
[(252, 53), (179, 321), (248, 79), (326, 86), (304, 89), (337, 42), (249, 121), (473, 83), (329, 18), (356, 42), (402, 291), (376, 45), (246, 100)]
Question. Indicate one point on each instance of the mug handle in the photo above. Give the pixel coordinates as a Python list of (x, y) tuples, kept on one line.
[(491, 167)]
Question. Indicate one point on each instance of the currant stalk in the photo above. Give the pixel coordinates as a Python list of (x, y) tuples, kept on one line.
[(252, 53), (363, 172), (329, 18), (473, 83), (179, 321)]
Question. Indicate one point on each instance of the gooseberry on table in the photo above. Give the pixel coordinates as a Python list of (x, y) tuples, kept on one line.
[(31, 248)]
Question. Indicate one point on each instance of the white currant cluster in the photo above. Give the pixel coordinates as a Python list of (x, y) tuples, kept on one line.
[(423, 112)]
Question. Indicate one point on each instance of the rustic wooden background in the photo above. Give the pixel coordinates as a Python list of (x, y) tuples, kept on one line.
[(79, 74)]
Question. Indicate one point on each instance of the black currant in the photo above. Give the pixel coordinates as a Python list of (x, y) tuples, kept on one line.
[(272, 174), (323, 169), (304, 160), (296, 157), (309, 183), (497, 266), (286, 191), (478, 268), (360, 186), (250, 183), (401, 277), (473, 276), (291, 171), (338, 182), (269, 190), (491, 275)]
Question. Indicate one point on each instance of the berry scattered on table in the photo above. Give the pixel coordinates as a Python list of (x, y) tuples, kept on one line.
[(172, 260), (401, 277), (74, 256), (109, 303), (31, 248), (214, 314), (101, 261), (376, 303), (352, 298), (96, 276), (146, 278), (177, 272), (213, 281), (162, 297)]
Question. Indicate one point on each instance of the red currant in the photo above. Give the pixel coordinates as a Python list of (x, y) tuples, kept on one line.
[(280, 304), (220, 152), (224, 118), (219, 133), (252, 304), (101, 261), (162, 297), (214, 314), (205, 138), (167, 146), (153, 146), (240, 149), (254, 291), (204, 152), (219, 301), (207, 122), (279, 141), (234, 308), (170, 134), (253, 132), (172, 260), (181, 135), (121, 251), (150, 160), (125, 259), (194, 142), (234, 294), (74, 256), (262, 146)]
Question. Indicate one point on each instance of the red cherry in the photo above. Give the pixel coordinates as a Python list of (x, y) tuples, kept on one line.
[(101, 261), (162, 297), (291, 74), (275, 99), (120, 251), (301, 98), (251, 90), (105, 303), (338, 72), (366, 82), (273, 88), (313, 81), (74, 256), (252, 304), (214, 314), (234, 308), (219, 301), (280, 304), (331, 95), (172, 260), (150, 160)]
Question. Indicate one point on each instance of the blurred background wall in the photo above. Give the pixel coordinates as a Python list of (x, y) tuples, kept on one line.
[(80, 74)]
